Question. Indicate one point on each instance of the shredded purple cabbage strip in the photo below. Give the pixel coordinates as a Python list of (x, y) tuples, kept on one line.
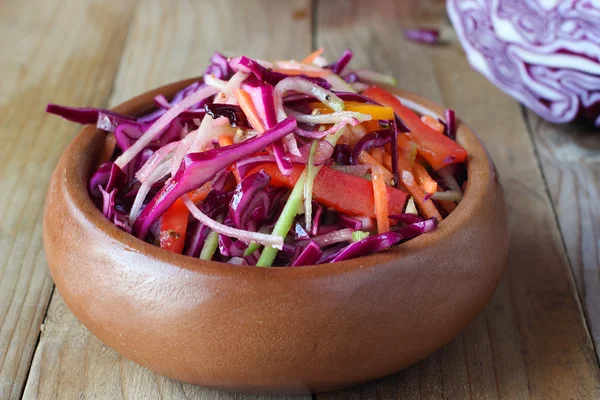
[(243, 205)]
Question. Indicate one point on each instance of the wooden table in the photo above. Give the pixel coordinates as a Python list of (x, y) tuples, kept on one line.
[(532, 341)]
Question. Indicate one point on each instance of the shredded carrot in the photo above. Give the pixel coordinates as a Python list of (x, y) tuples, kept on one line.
[(312, 56), (372, 125), (245, 102), (407, 179), (376, 112), (321, 73), (407, 148), (433, 123), (447, 205), (225, 140), (365, 158), (387, 161), (381, 199), (200, 194), (424, 179), (377, 154)]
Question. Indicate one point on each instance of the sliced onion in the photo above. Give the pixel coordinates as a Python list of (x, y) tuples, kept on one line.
[(359, 86), (154, 160), (338, 84), (332, 118), (162, 123), (447, 174), (319, 134), (237, 261), (341, 235), (157, 174), (411, 208), (296, 65), (365, 75), (303, 86), (448, 195), (234, 83), (217, 83), (247, 236), (162, 102)]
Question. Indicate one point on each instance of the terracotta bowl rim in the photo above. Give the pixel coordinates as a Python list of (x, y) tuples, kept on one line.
[(479, 165)]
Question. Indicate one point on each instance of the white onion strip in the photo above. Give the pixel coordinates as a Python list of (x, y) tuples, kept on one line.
[(154, 160), (449, 195), (247, 236), (447, 174), (234, 83), (162, 123), (369, 76), (217, 83), (305, 87), (156, 175), (330, 131), (332, 118)]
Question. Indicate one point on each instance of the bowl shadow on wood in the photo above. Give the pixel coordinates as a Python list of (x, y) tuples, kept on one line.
[(273, 330)]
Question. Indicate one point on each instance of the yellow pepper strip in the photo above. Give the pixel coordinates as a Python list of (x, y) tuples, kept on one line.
[(376, 112)]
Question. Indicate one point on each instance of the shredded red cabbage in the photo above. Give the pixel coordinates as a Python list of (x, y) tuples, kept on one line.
[(423, 35), (216, 174)]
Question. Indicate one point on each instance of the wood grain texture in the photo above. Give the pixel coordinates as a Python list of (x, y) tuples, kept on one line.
[(47, 53), (70, 363), (531, 342), (167, 41), (569, 156)]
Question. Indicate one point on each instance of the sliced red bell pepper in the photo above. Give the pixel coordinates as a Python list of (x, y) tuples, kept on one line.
[(438, 150), (173, 225), (342, 192), (174, 221)]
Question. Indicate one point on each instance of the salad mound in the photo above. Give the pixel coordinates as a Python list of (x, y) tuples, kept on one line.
[(283, 163)]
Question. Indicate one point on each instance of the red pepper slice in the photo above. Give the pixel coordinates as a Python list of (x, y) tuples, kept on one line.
[(342, 192), (438, 150), (173, 225), (174, 221)]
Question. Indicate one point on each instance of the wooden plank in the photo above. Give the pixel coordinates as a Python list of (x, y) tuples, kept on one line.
[(71, 363), (49, 51), (167, 41), (571, 165), (531, 342)]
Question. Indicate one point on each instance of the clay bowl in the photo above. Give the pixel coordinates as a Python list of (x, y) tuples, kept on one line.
[(251, 329)]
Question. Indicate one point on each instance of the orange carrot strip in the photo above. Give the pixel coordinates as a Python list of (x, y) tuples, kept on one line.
[(372, 125), (447, 205), (225, 141), (200, 194), (381, 199), (245, 102), (387, 161), (424, 179), (407, 148), (366, 158), (433, 123), (407, 179), (312, 56), (377, 154), (308, 72)]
